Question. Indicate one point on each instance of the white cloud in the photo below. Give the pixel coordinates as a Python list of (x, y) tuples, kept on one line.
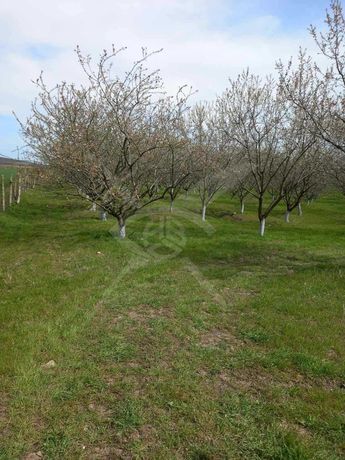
[(204, 42)]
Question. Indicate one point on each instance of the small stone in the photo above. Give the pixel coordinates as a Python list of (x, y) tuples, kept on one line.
[(49, 365)]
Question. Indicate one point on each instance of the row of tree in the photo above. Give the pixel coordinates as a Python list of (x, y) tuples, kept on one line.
[(124, 143)]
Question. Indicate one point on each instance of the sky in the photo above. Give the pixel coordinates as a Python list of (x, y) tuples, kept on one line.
[(205, 42)]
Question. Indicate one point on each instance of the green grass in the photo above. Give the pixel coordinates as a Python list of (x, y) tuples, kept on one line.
[(187, 341), (8, 172)]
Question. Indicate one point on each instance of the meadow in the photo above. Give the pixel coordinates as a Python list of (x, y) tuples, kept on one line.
[(8, 172), (187, 340)]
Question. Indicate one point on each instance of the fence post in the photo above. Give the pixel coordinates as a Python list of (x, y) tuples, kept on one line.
[(3, 192), (19, 188), (10, 198)]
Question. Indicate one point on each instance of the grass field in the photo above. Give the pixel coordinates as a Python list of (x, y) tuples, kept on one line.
[(7, 172), (185, 341)]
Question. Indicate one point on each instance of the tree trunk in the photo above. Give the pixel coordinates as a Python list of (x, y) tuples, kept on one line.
[(242, 206), (122, 227), (93, 207), (171, 199), (299, 209), (102, 215), (203, 214), (287, 216), (262, 226)]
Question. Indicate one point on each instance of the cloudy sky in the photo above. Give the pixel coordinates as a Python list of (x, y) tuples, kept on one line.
[(204, 42)]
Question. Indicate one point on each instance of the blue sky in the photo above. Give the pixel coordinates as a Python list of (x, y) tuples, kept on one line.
[(204, 42), (293, 14)]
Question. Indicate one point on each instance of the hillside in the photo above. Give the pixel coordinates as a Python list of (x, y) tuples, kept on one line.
[(6, 161)]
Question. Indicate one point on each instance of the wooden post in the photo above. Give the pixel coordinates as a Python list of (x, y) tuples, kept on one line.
[(3, 192), (10, 198), (19, 188)]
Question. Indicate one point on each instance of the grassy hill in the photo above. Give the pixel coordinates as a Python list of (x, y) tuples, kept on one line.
[(7, 161), (187, 341)]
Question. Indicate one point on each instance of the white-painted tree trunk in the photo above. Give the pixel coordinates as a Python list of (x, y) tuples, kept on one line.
[(94, 207), (262, 226), (287, 216), (203, 214), (122, 227), (300, 212), (172, 199), (242, 206), (102, 215), (122, 231)]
